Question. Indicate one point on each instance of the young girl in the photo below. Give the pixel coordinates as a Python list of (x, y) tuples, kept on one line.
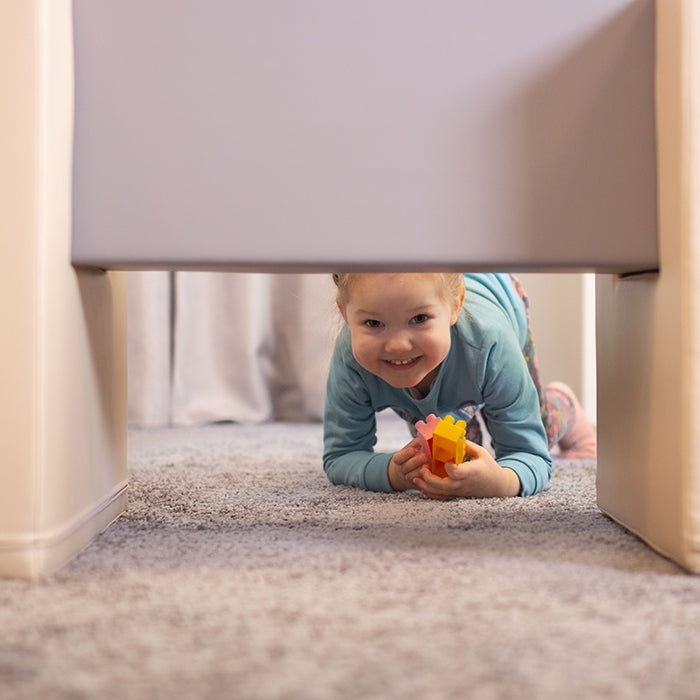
[(413, 344)]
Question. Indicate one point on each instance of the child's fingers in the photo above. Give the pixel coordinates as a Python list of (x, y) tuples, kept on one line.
[(459, 471), (412, 467), (436, 483), (412, 451), (433, 486), (472, 449), (404, 454), (415, 467)]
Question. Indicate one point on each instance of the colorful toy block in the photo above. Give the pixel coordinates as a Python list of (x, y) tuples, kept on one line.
[(448, 440), (442, 441), (425, 434)]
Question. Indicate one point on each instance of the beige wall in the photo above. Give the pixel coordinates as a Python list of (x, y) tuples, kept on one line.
[(562, 316)]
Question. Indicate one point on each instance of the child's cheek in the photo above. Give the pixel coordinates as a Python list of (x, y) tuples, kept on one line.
[(369, 356), (360, 352), (448, 342)]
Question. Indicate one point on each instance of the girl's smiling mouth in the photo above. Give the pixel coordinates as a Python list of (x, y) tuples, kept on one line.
[(402, 364)]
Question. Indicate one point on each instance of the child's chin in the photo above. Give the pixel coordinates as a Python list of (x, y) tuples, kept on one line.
[(399, 383)]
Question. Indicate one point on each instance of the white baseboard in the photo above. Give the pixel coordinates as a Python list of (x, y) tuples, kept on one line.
[(35, 555)]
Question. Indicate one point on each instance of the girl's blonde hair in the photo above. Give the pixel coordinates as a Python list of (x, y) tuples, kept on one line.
[(450, 283)]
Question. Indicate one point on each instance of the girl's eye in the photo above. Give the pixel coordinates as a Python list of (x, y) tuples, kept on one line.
[(373, 323), (420, 318)]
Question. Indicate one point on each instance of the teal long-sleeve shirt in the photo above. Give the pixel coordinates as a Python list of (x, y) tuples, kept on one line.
[(484, 371)]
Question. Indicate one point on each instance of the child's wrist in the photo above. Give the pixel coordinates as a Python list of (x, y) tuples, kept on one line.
[(393, 478), (511, 482)]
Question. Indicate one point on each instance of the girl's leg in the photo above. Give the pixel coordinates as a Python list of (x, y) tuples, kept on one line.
[(473, 431), (564, 421), (579, 442)]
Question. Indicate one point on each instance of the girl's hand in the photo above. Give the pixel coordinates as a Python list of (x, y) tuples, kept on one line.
[(406, 465), (480, 477)]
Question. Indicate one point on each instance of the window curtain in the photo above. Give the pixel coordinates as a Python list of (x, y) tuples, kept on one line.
[(207, 347)]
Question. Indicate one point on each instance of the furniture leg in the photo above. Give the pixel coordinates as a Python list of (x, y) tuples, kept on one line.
[(63, 369), (648, 330)]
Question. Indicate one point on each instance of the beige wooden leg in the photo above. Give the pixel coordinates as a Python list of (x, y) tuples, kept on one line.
[(649, 329), (63, 351)]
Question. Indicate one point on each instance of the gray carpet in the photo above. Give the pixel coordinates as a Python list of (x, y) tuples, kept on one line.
[(240, 572)]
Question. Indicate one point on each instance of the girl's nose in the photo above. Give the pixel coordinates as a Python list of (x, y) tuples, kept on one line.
[(398, 342)]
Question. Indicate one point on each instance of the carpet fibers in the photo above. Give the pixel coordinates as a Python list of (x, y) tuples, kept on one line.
[(239, 571)]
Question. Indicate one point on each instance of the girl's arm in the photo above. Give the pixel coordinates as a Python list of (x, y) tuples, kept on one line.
[(349, 432), (512, 416)]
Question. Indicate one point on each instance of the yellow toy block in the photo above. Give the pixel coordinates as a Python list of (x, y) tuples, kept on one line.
[(449, 441)]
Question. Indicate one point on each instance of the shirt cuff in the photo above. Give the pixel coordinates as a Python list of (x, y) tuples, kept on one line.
[(377, 473), (533, 478)]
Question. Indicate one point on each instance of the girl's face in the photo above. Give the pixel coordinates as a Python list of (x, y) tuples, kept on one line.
[(400, 326)]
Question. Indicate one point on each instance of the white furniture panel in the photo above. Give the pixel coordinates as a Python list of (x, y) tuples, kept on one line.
[(313, 134)]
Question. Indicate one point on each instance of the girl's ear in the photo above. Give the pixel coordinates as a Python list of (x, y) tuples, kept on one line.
[(457, 308)]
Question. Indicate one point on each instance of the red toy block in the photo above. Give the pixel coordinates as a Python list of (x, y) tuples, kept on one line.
[(438, 468)]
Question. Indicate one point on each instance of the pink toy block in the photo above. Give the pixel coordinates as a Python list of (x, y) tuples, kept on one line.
[(425, 434)]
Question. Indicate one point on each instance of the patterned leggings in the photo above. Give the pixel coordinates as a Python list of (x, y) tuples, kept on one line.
[(557, 411)]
